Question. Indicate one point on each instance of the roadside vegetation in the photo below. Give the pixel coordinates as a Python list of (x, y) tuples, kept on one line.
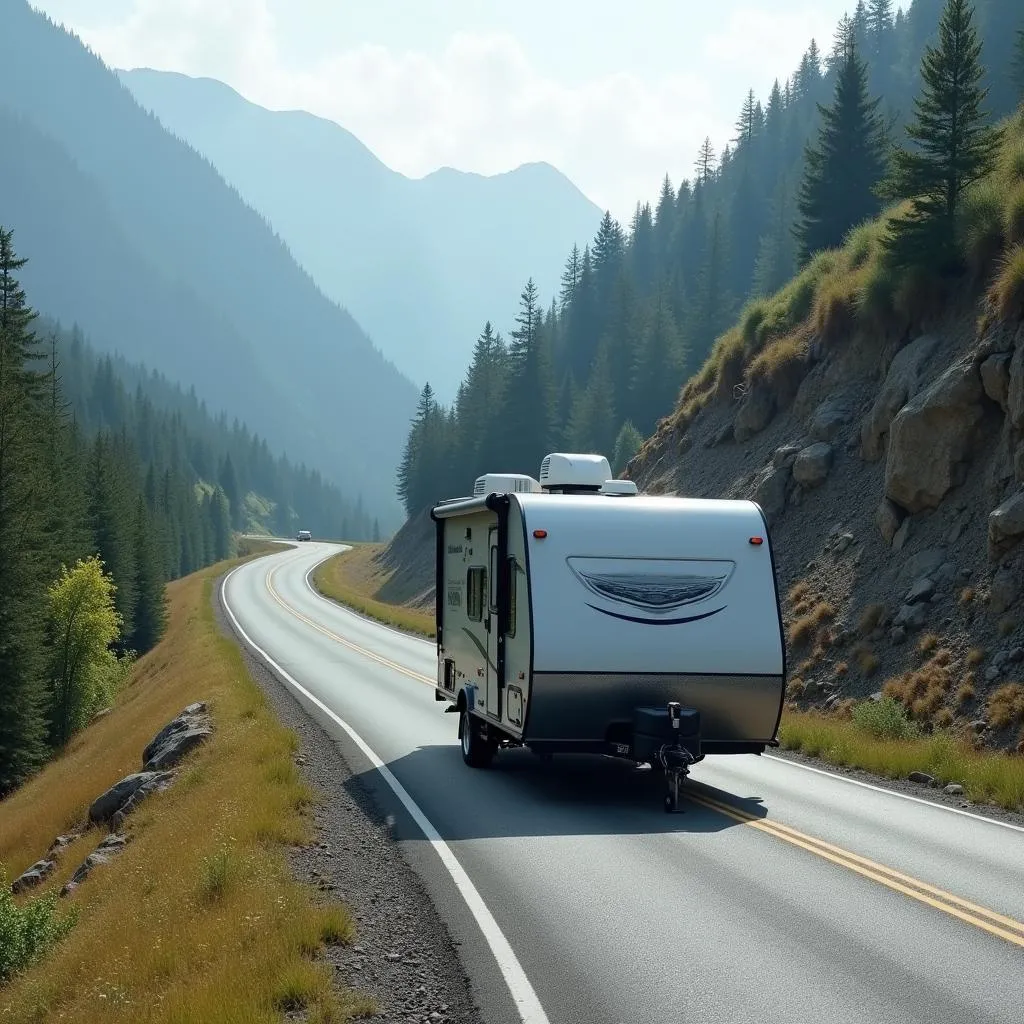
[(200, 917), (352, 579)]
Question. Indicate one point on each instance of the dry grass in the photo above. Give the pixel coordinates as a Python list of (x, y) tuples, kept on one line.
[(927, 643), (351, 579), (200, 918), (1006, 295), (975, 656), (923, 692), (967, 595), (1007, 626), (807, 625), (1006, 706), (966, 692), (249, 547), (867, 660), (986, 777)]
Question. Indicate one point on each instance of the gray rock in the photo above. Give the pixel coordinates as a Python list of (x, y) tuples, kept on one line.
[(157, 785), (755, 413), (897, 634), (876, 696), (901, 384), (945, 573), (995, 378), (785, 456), (1000, 658), (190, 728), (922, 777), (103, 854), (901, 536), (1004, 591), (34, 876), (829, 419), (1017, 655), (770, 491), (1015, 392), (888, 519), (912, 616), (992, 673), (956, 531), (925, 563), (922, 590), (979, 725), (954, 789), (813, 464), (106, 806), (719, 437), (1006, 523), (843, 541), (931, 437)]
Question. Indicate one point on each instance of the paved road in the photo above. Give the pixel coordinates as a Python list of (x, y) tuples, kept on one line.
[(782, 894)]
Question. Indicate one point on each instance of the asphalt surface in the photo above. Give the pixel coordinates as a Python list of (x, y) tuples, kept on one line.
[(780, 894)]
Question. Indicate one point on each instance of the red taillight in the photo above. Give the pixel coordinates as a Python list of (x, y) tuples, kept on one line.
[(757, 541), (540, 534)]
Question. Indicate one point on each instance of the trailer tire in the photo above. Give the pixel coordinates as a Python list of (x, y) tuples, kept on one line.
[(478, 750)]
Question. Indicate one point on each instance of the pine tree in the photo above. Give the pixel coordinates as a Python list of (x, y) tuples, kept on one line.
[(844, 167), (1018, 63), (151, 607), (705, 163), (228, 480), (879, 19), (955, 145), (627, 444), (22, 538), (570, 280)]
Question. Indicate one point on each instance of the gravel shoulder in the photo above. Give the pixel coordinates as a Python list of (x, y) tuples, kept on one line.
[(403, 956)]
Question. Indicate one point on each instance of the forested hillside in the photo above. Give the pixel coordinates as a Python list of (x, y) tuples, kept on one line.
[(371, 236), (136, 237), (137, 473), (641, 308)]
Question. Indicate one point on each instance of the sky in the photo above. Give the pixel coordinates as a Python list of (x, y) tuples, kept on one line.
[(614, 94)]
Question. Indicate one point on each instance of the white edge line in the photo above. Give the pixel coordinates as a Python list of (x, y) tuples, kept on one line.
[(892, 792), (526, 1001), (769, 757)]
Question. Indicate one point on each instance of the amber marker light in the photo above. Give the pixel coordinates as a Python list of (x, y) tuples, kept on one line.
[(757, 541), (540, 534)]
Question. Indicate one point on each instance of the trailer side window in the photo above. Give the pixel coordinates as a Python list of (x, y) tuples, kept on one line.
[(512, 577), (475, 586)]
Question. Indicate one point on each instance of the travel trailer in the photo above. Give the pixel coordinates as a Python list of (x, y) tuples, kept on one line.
[(575, 615)]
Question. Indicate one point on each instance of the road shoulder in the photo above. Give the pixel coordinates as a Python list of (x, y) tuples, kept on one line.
[(403, 955)]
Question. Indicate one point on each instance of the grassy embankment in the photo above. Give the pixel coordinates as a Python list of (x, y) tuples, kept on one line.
[(199, 918), (351, 579)]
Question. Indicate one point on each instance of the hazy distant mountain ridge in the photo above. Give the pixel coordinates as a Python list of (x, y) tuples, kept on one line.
[(139, 238), (421, 263)]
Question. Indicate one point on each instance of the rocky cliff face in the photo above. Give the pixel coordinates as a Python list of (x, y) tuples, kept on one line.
[(893, 481)]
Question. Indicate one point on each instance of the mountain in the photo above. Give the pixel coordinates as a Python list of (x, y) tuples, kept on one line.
[(135, 236), (421, 263)]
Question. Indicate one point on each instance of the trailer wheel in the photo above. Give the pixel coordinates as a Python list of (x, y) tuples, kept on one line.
[(478, 750)]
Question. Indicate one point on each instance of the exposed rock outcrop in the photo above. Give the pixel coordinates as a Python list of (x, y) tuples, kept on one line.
[(177, 738)]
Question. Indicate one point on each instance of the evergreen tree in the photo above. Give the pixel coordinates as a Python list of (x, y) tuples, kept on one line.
[(570, 280), (844, 167), (955, 145), (228, 480), (151, 609), (705, 163), (627, 444), (879, 22), (220, 526), (1018, 63), (22, 536)]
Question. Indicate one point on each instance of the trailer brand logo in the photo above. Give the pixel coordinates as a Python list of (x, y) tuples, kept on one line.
[(656, 586), (454, 549)]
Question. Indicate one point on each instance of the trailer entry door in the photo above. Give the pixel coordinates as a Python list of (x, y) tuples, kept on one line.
[(492, 625)]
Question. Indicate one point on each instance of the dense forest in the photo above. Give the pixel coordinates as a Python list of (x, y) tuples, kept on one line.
[(869, 123), (99, 458)]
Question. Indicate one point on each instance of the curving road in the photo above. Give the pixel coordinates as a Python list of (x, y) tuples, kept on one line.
[(782, 894)]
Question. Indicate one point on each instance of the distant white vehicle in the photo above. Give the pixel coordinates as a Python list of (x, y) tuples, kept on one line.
[(575, 615), (305, 535)]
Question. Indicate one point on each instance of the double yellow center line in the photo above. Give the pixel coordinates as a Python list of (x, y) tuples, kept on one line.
[(998, 925)]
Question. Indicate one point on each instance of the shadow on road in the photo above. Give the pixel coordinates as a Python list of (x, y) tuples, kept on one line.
[(522, 795)]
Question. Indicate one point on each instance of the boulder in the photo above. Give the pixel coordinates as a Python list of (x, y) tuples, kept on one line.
[(33, 876), (901, 384), (103, 854), (1004, 591), (157, 785), (770, 491), (755, 413), (921, 591), (106, 806), (901, 535), (925, 563), (912, 616), (930, 438), (1006, 523), (888, 519), (784, 457), (811, 467), (829, 419), (995, 378), (177, 738)]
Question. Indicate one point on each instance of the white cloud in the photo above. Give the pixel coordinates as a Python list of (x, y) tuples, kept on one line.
[(478, 104)]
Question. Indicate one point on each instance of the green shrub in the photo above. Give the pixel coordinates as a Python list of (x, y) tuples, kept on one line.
[(885, 719), (29, 931)]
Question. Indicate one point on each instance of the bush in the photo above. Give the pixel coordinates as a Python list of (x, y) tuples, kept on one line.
[(1007, 292), (27, 932), (885, 719), (982, 226)]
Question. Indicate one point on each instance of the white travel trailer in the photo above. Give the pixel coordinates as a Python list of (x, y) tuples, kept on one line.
[(575, 615)]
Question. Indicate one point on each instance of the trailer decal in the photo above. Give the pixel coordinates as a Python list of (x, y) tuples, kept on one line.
[(481, 648), (657, 622), (657, 590)]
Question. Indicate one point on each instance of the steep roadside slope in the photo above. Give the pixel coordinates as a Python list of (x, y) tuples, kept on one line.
[(880, 425)]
